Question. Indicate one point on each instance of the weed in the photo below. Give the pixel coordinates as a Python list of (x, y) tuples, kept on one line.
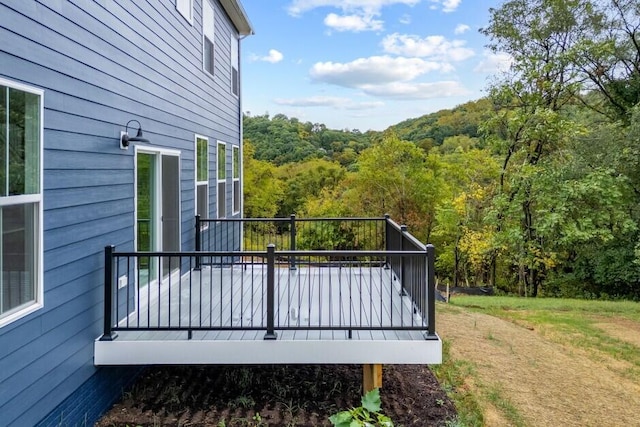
[(367, 415), (242, 402)]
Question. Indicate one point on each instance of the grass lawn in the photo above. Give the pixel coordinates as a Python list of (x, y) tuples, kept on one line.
[(526, 361)]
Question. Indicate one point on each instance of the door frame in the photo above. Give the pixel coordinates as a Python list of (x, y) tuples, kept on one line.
[(158, 152)]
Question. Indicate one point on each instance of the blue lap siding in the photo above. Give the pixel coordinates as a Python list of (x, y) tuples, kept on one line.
[(100, 64)]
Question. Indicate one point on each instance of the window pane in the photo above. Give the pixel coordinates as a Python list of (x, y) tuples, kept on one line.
[(208, 19), (4, 120), (208, 55), (184, 7), (222, 161), (146, 191), (203, 201), (202, 160), (18, 224), (236, 162), (222, 197), (24, 142), (236, 196), (234, 81)]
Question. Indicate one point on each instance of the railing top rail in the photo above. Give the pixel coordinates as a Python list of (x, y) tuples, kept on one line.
[(288, 219), (393, 224), (319, 253), (191, 253), (341, 219), (245, 219), (414, 241)]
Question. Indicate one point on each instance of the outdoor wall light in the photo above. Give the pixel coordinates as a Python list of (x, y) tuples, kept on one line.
[(125, 139)]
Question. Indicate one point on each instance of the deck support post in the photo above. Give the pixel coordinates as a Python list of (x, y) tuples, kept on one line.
[(108, 334), (271, 264), (371, 377), (198, 242)]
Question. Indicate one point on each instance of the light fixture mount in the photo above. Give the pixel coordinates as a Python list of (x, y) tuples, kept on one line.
[(125, 139)]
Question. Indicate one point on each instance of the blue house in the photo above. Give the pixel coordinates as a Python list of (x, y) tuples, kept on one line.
[(119, 122)]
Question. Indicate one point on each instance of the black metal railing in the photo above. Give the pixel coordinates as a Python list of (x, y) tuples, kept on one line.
[(355, 291), (291, 233)]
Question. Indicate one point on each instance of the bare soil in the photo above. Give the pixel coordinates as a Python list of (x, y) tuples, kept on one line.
[(283, 395), (546, 380)]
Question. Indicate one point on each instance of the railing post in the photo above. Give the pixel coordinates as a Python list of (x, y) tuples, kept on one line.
[(431, 285), (292, 259), (387, 244), (198, 241), (108, 334), (271, 265), (403, 271)]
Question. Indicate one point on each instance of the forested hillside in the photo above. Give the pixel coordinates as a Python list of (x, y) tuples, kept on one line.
[(534, 189)]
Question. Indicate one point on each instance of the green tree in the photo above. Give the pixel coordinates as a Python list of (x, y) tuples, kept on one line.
[(530, 124), (263, 191), (397, 178), (306, 180)]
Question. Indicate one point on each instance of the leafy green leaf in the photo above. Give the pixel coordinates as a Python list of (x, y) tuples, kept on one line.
[(341, 419), (371, 400)]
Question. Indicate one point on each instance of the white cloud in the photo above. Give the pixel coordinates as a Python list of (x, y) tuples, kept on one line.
[(386, 77), (447, 5), (374, 70), (273, 57), (355, 23), (461, 29), (434, 47), (329, 101), (410, 91), (298, 7), (494, 62), (356, 16)]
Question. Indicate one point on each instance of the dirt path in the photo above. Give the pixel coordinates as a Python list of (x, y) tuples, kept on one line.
[(548, 384)]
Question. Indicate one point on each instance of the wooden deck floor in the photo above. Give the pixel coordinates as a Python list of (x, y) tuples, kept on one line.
[(226, 310)]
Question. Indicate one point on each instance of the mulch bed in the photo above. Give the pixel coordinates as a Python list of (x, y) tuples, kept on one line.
[(279, 395)]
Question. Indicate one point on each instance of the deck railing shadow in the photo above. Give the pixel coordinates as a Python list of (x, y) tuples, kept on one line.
[(374, 276)]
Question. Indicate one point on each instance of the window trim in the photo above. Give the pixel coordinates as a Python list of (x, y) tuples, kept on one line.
[(38, 303), (195, 175), (204, 38), (190, 17), (235, 152), (221, 180)]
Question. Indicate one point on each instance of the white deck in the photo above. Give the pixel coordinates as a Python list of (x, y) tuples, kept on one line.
[(235, 297)]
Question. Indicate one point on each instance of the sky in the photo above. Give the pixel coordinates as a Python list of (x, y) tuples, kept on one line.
[(365, 64)]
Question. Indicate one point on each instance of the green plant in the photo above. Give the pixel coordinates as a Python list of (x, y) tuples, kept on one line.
[(367, 415)]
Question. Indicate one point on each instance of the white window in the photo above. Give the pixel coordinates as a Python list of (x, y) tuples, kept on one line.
[(235, 66), (202, 177), (21, 289), (236, 179), (185, 7), (208, 25), (222, 180)]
